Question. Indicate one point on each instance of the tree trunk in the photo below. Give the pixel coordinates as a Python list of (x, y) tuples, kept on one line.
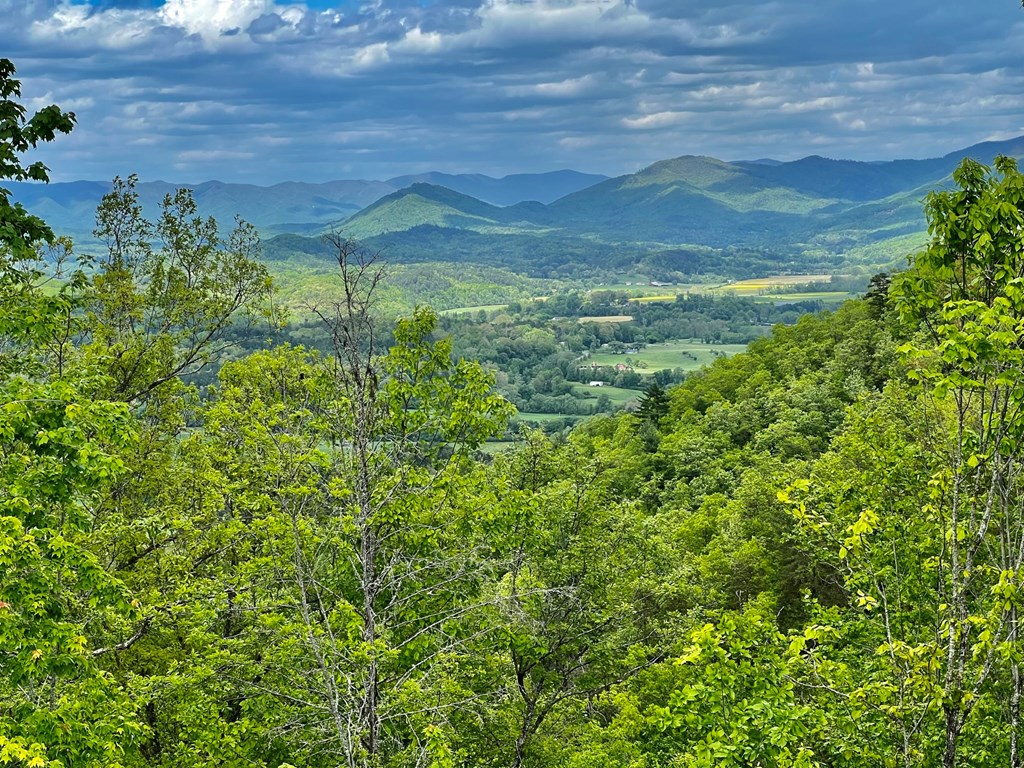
[(954, 725), (1015, 692), (1015, 716), (371, 721)]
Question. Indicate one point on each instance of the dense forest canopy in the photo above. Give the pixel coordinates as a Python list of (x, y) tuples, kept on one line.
[(809, 554)]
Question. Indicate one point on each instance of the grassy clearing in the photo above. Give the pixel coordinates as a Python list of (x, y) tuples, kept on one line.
[(617, 395), (468, 310), (542, 418), (772, 288), (659, 297), (643, 289), (606, 319), (762, 285), (688, 355), (828, 297)]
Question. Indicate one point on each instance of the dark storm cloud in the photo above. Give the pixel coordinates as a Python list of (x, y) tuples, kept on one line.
[(257, 90)]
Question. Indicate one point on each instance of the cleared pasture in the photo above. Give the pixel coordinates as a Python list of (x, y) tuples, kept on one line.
[(764, 285), (656, 298), (542, 418), (827, 297), (469, 310), (617, 395), (606, 319), (689, 355)]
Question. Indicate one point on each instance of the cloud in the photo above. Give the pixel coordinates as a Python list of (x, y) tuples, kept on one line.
[(655, 120), (571, 87), (268, 90), (212, 18)]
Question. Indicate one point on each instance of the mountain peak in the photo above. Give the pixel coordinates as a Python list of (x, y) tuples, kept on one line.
[(696, 170)]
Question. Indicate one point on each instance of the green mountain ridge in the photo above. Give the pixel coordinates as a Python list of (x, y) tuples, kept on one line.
[(810, 210), (804, 214), (288, 207)]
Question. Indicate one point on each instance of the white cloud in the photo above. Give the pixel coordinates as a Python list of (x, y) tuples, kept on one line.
[(110, 29), (211, 18), (505, 22), (574, 86), (374, 55), (656, 120), (822, 103), (418, 41)]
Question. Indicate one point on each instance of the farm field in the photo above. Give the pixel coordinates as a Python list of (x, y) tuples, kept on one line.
[(657, 298), (775, 288), (827, 297), (765, 285), (606, 319), (641, 289), (617, 395), (688, 355), (468, 310), (541, 418)]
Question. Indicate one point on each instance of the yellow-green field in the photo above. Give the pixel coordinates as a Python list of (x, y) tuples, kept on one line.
[(642, 288), (765, 285), (771, 288), (688, 355), (468, 310), (657, 297), (827, 297)]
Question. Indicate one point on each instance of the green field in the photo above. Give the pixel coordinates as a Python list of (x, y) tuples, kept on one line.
[(541, 418), (688, 355), (827, 297), (605, 319), (617, 395), (639, 289), (469, 310), (661, 297), (775, 288), (763, 286)]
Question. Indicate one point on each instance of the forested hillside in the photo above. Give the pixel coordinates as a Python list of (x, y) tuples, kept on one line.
[(808, 554), (808, 214)]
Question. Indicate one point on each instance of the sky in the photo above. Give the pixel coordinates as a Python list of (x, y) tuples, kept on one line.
[(264, 91)]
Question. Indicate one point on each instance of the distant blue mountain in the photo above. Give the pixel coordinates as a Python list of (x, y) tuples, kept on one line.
[(508, 190), (288, 207)]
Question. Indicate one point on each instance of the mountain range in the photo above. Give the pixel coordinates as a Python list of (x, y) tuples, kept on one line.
[(291, 206), (809, 213), (685, 200), (800, 214)]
